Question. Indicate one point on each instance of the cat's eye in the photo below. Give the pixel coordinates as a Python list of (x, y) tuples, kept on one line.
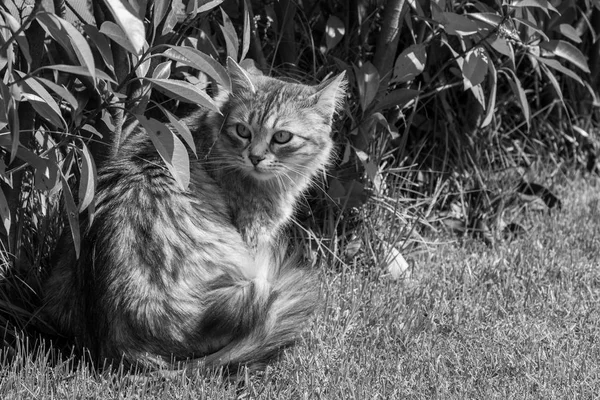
[(243, 131), (282, 137)]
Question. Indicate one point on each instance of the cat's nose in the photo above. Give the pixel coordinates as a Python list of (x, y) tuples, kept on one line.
[(254, 159)]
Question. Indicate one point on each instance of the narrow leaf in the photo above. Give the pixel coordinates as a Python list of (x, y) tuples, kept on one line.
[(503, 46), (13, 123), (60, 30), (41, 101), (161, 8), (4, 212), (162, 70), (458, 25), (246, 32), (517, 89), (181, 128), (199, 6), (493, 86), (202, 62), (367, 78), (492, 19), (102, 44), (87, 181), (231, 38), (567, 51), (396, 98), (116, 33), (569, 32), (60, 90), (554, 82), (410, 63), (72, 213), (530, 25), (554, 64), (334, 31), (170, 148), (542, 4), (73, 69), (183, 91), (475, 67), (20, 38), (46, 172), (130, 23)]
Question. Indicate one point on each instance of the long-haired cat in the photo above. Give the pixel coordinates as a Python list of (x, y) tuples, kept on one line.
[(196, 276)]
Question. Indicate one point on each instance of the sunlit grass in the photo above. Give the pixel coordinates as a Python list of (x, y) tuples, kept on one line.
[(515, 320)]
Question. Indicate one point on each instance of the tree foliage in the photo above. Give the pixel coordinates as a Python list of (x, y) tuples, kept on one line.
[(433, 84)]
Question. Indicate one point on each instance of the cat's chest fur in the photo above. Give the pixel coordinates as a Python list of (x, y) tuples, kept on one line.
[(259, 210)]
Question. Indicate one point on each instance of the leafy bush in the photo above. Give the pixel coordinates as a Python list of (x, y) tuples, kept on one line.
[(440, 91)]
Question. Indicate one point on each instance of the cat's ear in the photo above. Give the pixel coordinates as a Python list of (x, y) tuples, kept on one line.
[(331, 93), (240, 80)]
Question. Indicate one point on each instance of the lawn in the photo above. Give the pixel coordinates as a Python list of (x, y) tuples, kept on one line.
[(518, 319)]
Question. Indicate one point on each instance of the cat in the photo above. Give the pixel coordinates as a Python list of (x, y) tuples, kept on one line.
[(261, 165), (196, 278)]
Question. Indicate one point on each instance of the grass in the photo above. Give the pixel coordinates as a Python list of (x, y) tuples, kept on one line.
[(515, 320)]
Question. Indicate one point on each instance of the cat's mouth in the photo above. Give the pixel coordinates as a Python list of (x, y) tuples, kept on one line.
[(261, 174)]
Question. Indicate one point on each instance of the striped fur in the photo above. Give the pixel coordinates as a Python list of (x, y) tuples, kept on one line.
[(192, 277)]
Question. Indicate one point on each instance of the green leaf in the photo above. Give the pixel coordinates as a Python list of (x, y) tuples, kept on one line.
[(170, 148), (560, 68), (72, 213), (367, 79), (492, 19), (102, 44), (183, 91), (334, 31), (5, 97), (503, 46), (87, 181), (396, 98), (517, 89), (531, 26), (200, 61), (13, 123), (5, 212), (475, 67), (246, 32), (554, 82), (542, 4), (199, 6), (41, 101), (20, 38), (60, 90), (567, 51), (116, 34), (131, 25), (181, 128), (46, 172), (569, 32), (176, 14), (410, 63), (231, 38), (66, 34), (493, 86), (458, 25), (162, 70), (161, 8), (77, 70)]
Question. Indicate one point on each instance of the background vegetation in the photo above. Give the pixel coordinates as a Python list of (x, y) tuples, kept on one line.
[(454, 108)]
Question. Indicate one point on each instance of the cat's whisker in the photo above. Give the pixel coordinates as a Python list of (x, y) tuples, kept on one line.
[(297, 172), (312, 180)]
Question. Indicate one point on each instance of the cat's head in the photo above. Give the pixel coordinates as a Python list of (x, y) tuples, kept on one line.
[(275, 130)]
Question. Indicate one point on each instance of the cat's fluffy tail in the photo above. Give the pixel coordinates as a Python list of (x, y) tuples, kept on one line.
[(261, 316)]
